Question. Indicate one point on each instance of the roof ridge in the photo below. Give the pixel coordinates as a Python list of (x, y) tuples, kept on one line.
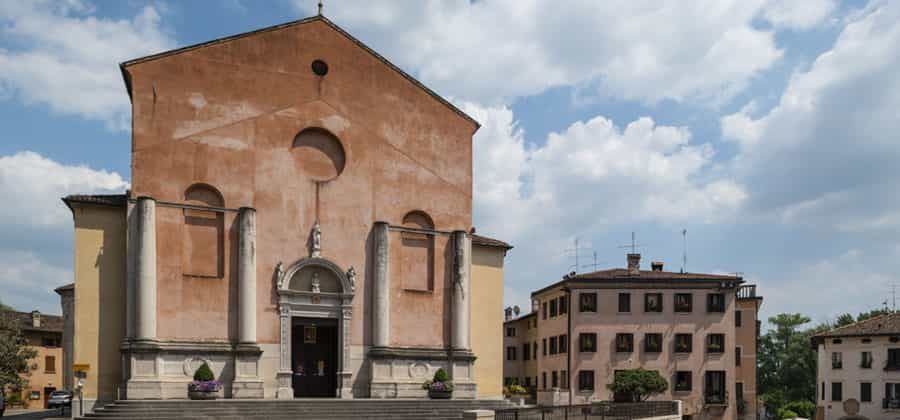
[(857, 323)]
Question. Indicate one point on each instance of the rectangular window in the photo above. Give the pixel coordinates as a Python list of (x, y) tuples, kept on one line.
[(563, 343), (652, 343), (684, 343), (823, 390), (737, 356), (554, 379), (684, 302), (837, 361), (715, 343), (50, 364), (527, 382), (738, 318), (553, 308), (510, 353), (653, 302), (683, 381), (544, 310), (892, 395), (586, 380), (563, 305), (624, 343), (739, 391), (588, 302), (624, 302), (544, 346), (714, 389), (510, 331), (587, 342), (893, 359), (554, 347), (837, 391), (715, 302), (534, 352), (865, 391), (866, 360), (564, 379), (526, 351), (544, 380)]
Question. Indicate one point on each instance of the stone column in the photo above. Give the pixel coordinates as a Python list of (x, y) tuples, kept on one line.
[(145, 269), (381, 317), (247, 276), (461, 296)]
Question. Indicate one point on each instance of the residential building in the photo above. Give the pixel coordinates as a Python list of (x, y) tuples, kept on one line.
[(520, 344), (697, 330), (43, 333), (860, 364), (300, 219)]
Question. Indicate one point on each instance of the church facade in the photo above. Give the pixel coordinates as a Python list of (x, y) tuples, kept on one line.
[(300, 219)]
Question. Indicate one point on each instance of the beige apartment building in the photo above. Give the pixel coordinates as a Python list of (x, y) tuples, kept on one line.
[(43, 334), (858, 370), (697, 330)]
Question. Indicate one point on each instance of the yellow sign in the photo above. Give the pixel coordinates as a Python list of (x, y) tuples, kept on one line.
[(81, 367)]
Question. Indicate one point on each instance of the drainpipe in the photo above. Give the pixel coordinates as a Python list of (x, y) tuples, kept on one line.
[(569, 339)]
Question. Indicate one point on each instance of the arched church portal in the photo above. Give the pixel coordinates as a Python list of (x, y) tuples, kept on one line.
[(315, 302)]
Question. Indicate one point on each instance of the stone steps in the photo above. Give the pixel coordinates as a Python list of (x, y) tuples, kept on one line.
[(331, 409)]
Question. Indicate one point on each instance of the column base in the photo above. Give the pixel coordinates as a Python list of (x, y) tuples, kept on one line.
[(285, 389), (345, 385), (247, 388)]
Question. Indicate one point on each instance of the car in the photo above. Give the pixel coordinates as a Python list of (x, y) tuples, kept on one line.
[(60, 399)]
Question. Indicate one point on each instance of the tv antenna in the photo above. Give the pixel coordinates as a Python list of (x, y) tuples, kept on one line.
[(577, 252), (320, 7), (634, 245), (594, 265), (684, 251), (893, 287)]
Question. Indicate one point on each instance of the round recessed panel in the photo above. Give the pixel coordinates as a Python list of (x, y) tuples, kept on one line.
[(319, 154)]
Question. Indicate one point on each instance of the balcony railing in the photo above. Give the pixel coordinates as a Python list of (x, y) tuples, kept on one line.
[(716, 398), (892, 365), (890, 403), (747, 292)]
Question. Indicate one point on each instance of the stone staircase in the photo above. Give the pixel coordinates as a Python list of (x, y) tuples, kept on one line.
[(332, 409)]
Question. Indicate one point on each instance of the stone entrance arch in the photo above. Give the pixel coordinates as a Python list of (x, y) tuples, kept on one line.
[(315, 287)]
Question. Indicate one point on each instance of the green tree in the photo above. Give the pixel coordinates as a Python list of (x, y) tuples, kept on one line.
[(843, 320), (15, 355), (787, 361), (638, 384), (4, 307)]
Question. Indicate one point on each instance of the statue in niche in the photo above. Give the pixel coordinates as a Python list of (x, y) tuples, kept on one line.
[(315, 283), (279, 274), (316, 240), (351, 276)]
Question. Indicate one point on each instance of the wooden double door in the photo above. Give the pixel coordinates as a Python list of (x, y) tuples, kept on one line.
[(314, 356)]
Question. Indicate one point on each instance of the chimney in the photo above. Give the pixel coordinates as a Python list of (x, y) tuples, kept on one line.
[(508, 313), (35, 319), (656, 266), (634, 264)]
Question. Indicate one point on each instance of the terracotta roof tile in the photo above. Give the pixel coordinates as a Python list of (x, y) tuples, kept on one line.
[(485, 241), (49, 323), (885, 324)]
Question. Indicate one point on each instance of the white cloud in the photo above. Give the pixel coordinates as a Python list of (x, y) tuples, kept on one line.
[(827, 154), (850, 282), (32, 186), (27, 282), (67, 60), (592, 175), (798, 14), (490, 51)]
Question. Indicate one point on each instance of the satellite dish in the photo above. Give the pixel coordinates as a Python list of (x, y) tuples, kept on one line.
[(516, 310)]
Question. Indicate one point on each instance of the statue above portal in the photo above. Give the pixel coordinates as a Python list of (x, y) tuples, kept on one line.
[(315, 283), (351, 277), (316, 241)]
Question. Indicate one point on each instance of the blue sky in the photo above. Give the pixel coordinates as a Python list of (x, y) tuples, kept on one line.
[(767, 129)]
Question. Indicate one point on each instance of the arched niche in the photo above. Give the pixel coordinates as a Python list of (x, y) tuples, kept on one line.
[(417, 253), (319, 154), (332, 299), (203, 235)]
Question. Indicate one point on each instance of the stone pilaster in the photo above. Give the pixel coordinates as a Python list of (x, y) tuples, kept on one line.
[(285, 375), (247, 275), (461, 293), (381, 316), (145, 269)]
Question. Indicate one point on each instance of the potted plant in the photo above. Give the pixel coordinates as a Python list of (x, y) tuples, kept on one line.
[(440, 387), (204, 386), (516, 394)]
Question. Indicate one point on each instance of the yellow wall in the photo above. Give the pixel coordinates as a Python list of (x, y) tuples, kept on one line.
[(99, 296), (487, 319)]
